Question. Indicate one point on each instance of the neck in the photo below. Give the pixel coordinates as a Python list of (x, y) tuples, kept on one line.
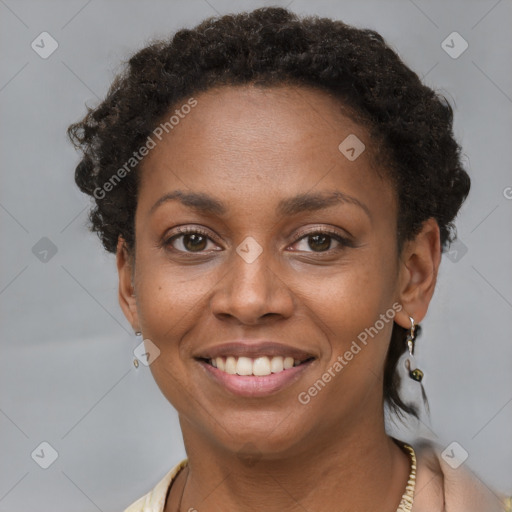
[(360, 468)]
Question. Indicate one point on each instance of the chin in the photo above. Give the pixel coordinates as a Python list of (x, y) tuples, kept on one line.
[(261, 434)]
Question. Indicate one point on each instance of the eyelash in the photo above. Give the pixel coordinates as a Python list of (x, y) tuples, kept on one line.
[(343, 241)]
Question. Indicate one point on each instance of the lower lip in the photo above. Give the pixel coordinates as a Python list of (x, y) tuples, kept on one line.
[(253, 386)]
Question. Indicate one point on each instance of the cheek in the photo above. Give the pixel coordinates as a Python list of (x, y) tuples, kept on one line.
[(353, 306), (169, 295), (350, 297), (349, 312), (168, 308)]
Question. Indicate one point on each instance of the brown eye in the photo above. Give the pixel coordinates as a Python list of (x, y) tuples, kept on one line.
[(321, 241), (194, 242), (189, 240)]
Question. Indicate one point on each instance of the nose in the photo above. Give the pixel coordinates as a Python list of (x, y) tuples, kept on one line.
[(252, 291)]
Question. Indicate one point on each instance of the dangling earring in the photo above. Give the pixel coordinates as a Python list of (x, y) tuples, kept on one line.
[(410, 363), (135, 361)]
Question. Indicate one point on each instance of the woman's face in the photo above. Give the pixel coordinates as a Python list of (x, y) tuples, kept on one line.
[(290, 251)]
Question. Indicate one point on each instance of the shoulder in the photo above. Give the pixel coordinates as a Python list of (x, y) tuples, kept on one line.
[(445, 483), (154, 500)]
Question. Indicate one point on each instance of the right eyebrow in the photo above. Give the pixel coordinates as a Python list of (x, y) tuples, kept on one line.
[(195, 200)]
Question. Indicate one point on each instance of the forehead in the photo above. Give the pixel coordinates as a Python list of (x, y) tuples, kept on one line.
[(245, 136), (289, 112), (248, 118)]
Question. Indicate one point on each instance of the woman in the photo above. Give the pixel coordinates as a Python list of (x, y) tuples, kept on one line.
[(278, 192)]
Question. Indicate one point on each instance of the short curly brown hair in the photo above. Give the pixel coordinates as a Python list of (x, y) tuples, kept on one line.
[(410, 123)]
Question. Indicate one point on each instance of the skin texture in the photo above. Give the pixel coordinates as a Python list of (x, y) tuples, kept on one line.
[(251, 148)]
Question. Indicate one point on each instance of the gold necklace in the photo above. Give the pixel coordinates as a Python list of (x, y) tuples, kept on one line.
[(408, 495)]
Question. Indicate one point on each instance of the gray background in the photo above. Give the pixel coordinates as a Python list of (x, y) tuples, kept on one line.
[(67, 376)]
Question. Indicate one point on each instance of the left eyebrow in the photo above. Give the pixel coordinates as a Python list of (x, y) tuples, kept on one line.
[(318, 201), (286, 207)]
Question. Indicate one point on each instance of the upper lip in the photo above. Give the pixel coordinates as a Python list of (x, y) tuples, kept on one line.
[(253, 349)]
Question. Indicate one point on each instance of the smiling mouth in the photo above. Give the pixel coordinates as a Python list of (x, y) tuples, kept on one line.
[(256, 367)]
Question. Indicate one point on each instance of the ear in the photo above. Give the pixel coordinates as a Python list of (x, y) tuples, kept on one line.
[(419, 264), (125, 270)]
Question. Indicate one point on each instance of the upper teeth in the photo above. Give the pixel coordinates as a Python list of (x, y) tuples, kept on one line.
[(258, 366)]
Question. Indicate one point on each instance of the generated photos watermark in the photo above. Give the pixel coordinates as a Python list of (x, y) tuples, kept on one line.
[(304, 397), (133, 161)]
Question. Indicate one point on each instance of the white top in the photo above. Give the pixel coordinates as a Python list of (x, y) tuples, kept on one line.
[(439, 487), (154, 500)]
